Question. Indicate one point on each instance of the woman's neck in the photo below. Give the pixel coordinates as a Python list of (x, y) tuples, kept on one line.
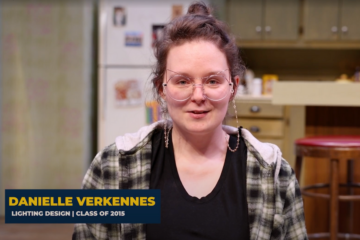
[(199, 147)]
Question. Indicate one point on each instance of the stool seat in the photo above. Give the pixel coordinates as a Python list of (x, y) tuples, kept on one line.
[(330, 141), (336, 149)]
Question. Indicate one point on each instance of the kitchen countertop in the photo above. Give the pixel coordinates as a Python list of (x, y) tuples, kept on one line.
[(307, 93)]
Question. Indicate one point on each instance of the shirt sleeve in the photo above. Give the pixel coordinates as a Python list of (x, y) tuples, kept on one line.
[(294, 211)]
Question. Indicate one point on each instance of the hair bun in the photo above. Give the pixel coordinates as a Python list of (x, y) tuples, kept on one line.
[(199, 8)]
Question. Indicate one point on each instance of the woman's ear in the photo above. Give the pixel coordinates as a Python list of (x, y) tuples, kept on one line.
[(161, 93), (237, 81), (235, 87), (161, 89)]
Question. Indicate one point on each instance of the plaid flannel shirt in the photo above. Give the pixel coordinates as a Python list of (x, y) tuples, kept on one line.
[(275, 206)]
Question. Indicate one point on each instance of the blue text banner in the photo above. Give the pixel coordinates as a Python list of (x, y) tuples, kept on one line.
[(82, 206)]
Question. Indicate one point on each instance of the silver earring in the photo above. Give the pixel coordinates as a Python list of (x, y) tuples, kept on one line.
[(237, 126), (166, 132), (166, 135)]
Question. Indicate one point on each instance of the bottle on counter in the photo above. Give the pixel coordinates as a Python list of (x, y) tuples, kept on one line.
[(257, 87), (357, 75), (249, 77), (241, 90), (268, 83)]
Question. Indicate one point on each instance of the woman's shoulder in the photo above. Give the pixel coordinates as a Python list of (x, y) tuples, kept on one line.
[(107, 153), (103, 167), (128, 144), (264, 153), (131, 142), (266, 156)]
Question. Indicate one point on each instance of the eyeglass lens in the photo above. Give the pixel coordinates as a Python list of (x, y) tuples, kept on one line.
[(215, 87)]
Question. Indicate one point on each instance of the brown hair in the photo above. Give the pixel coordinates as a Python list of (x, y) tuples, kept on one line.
[(197, 24)]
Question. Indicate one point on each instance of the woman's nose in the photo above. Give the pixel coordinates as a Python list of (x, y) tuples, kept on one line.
[(198, 93)]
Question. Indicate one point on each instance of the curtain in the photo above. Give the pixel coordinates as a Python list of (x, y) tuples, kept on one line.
[(46, 87)]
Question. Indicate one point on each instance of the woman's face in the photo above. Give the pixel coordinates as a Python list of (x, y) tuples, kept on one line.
[(197, 59)]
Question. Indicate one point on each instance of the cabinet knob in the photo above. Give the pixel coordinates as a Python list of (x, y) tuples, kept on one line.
[(258, 29), (344, 29), (254, 129), (255, 109), (334, 29), (267, 29)]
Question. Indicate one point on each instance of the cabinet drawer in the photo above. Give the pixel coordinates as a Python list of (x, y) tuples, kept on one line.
[(260, 127), (246, 109)]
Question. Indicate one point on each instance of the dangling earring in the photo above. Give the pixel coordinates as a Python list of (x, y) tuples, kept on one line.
[(237, 126), (166, 135), (166, 132)]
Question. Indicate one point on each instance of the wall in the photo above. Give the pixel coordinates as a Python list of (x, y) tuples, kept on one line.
[(47, 77)]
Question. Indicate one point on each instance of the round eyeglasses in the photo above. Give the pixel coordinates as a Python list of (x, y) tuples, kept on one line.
[(215, 87)]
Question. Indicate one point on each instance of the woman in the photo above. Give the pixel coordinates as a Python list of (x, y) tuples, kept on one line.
[(217, 182)]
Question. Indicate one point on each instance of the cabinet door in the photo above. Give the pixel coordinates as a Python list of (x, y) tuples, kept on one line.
[(281, 19), (321, 20), (349, 20), (245, 18)]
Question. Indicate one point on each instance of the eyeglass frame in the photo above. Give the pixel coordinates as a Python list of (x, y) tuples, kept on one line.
[(231, 84)]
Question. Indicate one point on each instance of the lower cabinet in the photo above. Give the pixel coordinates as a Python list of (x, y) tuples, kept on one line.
[(267, 122)]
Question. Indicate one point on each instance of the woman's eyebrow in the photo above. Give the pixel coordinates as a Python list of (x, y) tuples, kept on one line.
[(215, 72), (172, 73), (190, 76)]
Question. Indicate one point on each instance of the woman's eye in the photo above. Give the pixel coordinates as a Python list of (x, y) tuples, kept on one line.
[(215, 80), (212, 81), (181, 81)]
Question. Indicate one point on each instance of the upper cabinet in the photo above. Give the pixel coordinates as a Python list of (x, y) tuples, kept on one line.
[(331, 20), (294, 23), (264, 19), (245, 18), (350, 19)]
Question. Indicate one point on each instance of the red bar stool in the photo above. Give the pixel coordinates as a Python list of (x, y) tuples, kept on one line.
[(335, 148)]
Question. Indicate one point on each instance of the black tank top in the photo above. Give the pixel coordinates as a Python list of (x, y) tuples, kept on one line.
[(222, 214)]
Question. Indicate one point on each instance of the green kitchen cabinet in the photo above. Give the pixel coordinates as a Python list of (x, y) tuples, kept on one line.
[(331, 20), (350, 19), (264, 19)]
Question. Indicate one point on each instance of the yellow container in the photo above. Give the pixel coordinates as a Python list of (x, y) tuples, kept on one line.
[(268, 83)]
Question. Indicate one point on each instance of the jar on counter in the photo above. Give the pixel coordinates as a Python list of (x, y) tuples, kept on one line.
[(256, 87)]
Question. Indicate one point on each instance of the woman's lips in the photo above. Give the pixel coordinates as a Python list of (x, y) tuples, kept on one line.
[(198, 114)]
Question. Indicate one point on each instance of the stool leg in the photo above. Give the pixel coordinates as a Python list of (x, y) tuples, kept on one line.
[(298, 165), (334, 199), (350, 180)]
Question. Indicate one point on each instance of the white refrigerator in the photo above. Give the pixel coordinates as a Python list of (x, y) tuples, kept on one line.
[(127, 31)]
